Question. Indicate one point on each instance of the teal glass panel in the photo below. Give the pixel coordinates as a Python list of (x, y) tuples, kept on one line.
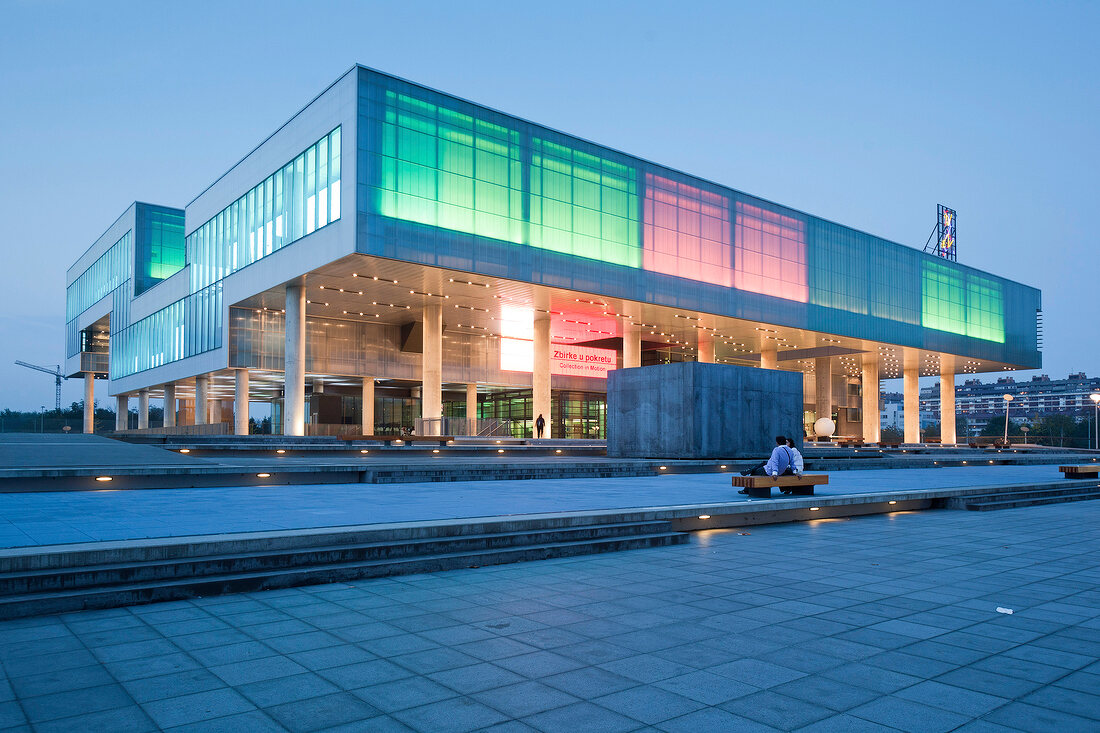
[(159, 250)]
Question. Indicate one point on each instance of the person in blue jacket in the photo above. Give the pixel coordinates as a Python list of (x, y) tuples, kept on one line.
[(781, 462)]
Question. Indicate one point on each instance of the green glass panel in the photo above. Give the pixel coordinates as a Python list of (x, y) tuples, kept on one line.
[(447, 169), (984, 309), (584, 205), (962, 303)]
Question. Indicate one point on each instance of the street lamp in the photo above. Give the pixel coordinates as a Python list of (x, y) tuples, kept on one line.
[(1008, 401), (1095, 397)]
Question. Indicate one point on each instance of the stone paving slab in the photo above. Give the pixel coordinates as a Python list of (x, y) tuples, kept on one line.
[(877, 623), (30, 519)]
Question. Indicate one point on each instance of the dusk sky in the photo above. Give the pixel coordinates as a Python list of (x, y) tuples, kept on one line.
[(869, 114)]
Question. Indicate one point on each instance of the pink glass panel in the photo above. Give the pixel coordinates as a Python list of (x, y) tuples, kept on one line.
[(687, 232), (770, 254)]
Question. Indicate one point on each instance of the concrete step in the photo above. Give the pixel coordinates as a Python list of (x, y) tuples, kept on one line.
[(1033, 492), (59, 601), (77, 574), (1016, 499), (509, 473)]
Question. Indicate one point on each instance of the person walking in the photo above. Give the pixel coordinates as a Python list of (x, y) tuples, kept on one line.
[(540, 425), (780, 463)]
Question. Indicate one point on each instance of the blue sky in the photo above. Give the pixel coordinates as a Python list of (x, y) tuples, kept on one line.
[(865, 113)]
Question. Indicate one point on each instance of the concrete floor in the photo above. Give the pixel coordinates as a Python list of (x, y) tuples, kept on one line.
[(64, 517), (879, 623)]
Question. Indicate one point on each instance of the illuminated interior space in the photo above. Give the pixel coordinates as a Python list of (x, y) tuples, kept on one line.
[(394, 259)]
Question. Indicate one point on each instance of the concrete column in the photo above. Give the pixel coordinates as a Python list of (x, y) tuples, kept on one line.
[(632, 346), (89, 402), (540, 378), (823, 387), (947, 400), (431, 394), (214, 411), (202, 399), (769, 358), (368, 406), (911, 396), (240, 403), (143, 409), (122, 412), (294, 376), (471, 409), (872, 432), (706, 347), (170, 405)]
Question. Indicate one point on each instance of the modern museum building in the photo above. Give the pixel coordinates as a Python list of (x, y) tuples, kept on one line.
[(394, 258)]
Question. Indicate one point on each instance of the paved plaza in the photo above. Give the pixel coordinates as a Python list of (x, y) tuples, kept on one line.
[(28, 519), (880, 623)]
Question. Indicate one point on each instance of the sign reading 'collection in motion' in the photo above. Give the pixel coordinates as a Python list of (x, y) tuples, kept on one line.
[(517, 355)]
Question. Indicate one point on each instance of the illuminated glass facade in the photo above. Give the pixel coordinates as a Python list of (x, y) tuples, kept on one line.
[(440, 182), (299, 198), (449, 183), (158, 247)]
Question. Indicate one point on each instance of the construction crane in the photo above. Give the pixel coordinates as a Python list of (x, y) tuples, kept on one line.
[(56, 373)]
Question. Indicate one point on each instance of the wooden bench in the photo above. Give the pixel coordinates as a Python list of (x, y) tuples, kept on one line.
[(895, 446), (1092, 471), (761, 486), (389, 439)]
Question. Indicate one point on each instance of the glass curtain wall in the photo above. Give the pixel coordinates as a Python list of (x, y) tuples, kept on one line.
[(108, 273), (300, 198), (478, 182)]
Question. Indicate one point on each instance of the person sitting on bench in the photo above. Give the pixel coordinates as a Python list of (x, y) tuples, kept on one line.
[(781, 462), (796, 458)]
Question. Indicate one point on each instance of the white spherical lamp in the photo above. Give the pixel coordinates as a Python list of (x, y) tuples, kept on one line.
[(824, 427)]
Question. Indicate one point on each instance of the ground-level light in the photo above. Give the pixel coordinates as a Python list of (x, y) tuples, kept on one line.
[(263, 475)]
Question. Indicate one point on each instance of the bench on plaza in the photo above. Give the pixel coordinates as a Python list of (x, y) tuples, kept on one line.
[(895, 446), (1092, 471), (389, 439), (761, 486)]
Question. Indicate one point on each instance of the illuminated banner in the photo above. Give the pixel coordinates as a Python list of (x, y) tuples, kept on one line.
[(946, 245), (582, 361), (517, 355)]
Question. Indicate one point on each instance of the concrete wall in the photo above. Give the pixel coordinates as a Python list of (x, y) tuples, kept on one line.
[(696, 410)]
